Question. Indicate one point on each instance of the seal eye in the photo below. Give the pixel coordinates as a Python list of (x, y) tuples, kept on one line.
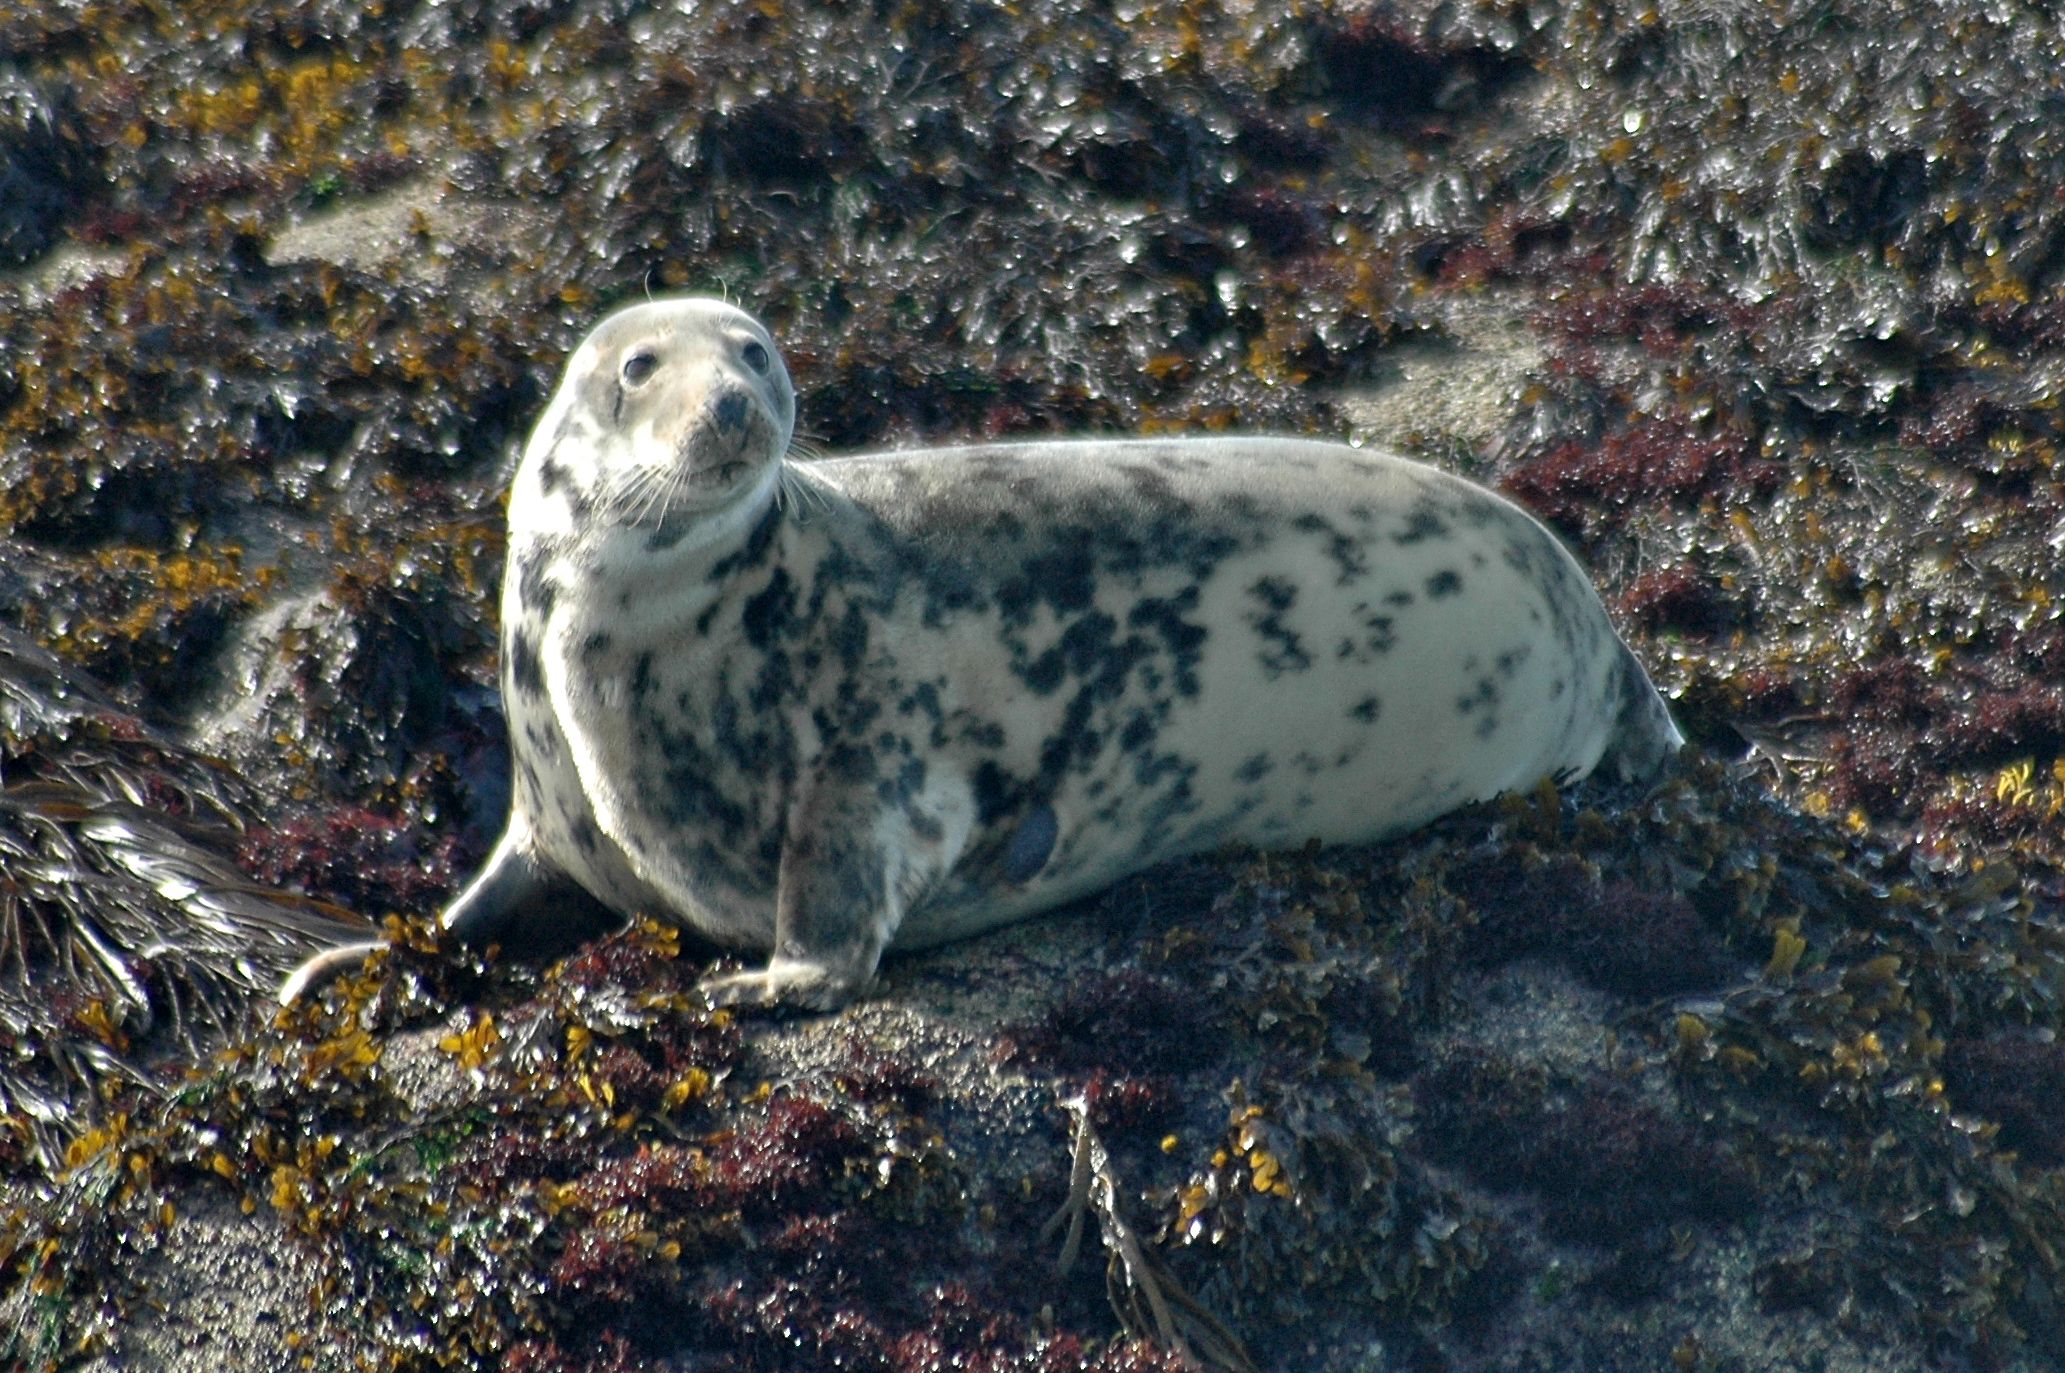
[(638, 367), (756, 357)]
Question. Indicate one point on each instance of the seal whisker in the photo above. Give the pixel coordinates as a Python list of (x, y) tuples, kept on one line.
[(641, 492), (798, 490)]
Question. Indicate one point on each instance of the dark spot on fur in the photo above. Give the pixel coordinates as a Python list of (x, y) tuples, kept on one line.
[(1485, 698), (1421, 523), (1283, 652), (1184, 641), (850, 637), (1073, 739), (1043, 674), (692, 799), (1139, 732), (1275, 593), (594, 646), (997, 793), (908, 782), (1446, 582), (671, 531), (923, 697), (1065, 577), (1253, 770), (1346, 551), (768, 613), (1090, 651), (849, 764), (528, 785), (1366, 710), (1031, 845), (754, 551), (533, 589), (526, 673), (1380, 637)]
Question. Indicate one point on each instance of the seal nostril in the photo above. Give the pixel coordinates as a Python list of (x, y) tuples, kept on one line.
[(730, 412)]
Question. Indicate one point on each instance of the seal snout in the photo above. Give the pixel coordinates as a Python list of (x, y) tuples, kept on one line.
[(727, 431), (730, 413)]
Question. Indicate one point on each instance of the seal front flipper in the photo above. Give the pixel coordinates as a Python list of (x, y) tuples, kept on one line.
[(324, 966), (835, 912), (527, 906), (832, 922)]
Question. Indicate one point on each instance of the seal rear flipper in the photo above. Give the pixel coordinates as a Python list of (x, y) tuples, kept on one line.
[(527, 906), (1644, 735)]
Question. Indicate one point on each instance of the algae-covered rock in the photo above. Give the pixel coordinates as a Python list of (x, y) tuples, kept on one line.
[(1763, 307)]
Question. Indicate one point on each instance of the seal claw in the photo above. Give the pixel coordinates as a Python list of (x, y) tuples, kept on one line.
[(784, 983)]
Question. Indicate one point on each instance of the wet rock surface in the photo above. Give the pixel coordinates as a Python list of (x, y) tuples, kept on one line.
[(1763, 307)]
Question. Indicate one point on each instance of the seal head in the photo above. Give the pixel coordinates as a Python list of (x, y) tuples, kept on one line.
[(669, 410)]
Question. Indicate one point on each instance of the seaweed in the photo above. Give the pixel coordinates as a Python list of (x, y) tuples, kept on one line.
[(1607, 1166)]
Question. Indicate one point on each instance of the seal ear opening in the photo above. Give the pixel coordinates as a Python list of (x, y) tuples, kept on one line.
[(531, 909)]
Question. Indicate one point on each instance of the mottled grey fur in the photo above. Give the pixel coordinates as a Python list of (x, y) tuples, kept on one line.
[(821, 710)]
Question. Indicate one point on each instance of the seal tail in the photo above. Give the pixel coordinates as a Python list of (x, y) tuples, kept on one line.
[(1644, 735)]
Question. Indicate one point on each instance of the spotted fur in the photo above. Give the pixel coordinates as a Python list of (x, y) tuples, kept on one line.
[(822, 710)]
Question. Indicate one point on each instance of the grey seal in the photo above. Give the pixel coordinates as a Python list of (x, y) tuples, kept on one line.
[(819, 710)]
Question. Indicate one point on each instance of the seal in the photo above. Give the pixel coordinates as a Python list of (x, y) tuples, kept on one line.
[(820, 710)]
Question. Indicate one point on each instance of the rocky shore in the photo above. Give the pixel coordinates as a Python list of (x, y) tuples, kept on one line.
[(1761, 306)]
